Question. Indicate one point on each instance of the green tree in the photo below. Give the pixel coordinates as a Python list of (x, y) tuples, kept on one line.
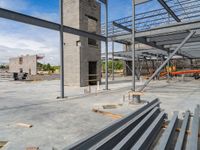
[(118, 65)]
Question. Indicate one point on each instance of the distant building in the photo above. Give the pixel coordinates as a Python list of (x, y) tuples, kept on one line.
[(25, 64)]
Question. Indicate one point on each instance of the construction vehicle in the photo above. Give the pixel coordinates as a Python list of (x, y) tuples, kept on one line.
[(20, 76), (171, 70)]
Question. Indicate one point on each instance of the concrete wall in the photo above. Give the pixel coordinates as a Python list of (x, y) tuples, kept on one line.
[(77, 52), (28, 64)]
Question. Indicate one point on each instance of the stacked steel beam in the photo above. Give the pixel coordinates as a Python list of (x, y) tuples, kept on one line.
[(144, 130)]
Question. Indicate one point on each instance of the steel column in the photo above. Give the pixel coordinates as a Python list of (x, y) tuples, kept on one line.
[(62, 88), (133, 45), (168, 65), (113, 68), (113, 52), (133, 50), (138, 69), (106, 44), (166, 61)]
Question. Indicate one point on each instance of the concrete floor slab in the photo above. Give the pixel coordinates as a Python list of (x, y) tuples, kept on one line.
[(59, 123)]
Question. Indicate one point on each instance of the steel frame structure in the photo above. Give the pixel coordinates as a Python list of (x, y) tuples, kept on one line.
[(158, 29)]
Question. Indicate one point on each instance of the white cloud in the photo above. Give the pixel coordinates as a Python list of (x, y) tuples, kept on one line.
[(17, 5), (19, 39)]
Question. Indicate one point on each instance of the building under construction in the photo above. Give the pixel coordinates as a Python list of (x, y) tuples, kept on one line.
[(155, 103)]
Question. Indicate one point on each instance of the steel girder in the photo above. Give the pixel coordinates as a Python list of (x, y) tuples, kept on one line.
[(187, 45), (159, 31), (175, 41), (161, 38), (150, 134), (144, 40), (169, 10), (11, 15), (131, 138)]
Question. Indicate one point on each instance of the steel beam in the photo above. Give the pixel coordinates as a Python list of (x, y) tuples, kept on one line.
[(121, 26), (145, 41), (136, 1), (152, 54), (169, 10), (110, 141), (167, 137), (172, 28), (140, 39), (166, 61), (131, 138), (188, 45), (153, 44), (161, 38), (193, 138), (92, 140), (11, 15), (189, 48), (175, 41), (181, 137), (150, 134)]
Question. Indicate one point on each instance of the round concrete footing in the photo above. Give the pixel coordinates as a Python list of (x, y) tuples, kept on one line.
[(136, 99)]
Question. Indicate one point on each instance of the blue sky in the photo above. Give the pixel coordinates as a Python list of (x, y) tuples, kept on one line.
[(20, 39)]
